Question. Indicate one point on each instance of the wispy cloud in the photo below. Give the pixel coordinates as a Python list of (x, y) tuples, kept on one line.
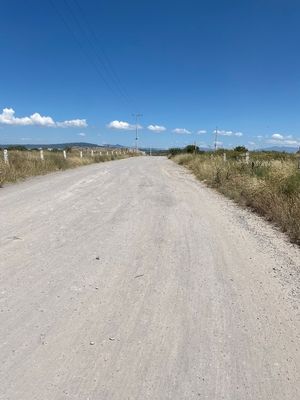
[(81, 134), (122, 125), (284, 140), (201, 132), (156, 128), (8, 117), (72, 123), (277, 136), (228, 133), (181, 131)]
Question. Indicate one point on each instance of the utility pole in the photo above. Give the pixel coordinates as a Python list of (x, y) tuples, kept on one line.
[(137, 116), (216, 138)]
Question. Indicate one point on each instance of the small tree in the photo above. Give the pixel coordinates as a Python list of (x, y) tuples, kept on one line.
[(191, 148), (175, 150), (240, 149), (18, 147)]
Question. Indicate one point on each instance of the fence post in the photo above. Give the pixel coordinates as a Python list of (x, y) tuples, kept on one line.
[(80, 154), (92, 153), (5, 155), (224, 157), (65, 154), (100, 153), (42, 155), (247, 157)]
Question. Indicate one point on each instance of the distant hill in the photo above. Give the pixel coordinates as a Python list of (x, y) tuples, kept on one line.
[(60, 145), (115, 146), (280, 149)]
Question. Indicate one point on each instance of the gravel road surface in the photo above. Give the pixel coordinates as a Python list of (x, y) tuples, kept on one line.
[(131, 280)]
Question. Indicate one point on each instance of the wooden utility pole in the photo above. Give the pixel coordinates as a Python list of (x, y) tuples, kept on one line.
[(216, 138), (137, 116)]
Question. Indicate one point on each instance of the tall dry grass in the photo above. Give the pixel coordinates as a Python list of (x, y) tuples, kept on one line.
[(271, 187), (23, 164)]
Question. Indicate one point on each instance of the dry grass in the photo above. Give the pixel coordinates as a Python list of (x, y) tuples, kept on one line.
[(23, 164), (271, 187)]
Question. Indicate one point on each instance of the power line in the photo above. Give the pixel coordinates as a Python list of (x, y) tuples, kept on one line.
[(83, 49), (97, 45), (93, 48)]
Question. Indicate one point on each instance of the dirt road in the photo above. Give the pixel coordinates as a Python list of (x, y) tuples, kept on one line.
[(131, 280)]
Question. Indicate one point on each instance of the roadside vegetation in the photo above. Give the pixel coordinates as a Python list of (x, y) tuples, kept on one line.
[(268, 183), (23, 163)]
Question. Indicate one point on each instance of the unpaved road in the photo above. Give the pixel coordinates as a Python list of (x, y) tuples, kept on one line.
[(131, 280)]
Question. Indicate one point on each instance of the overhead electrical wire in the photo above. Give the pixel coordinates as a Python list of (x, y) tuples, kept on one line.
[(93, 47), (96, 60), (97, 45)]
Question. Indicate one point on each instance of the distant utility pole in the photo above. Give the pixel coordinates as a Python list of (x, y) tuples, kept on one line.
[(216, 138), (137, 116)]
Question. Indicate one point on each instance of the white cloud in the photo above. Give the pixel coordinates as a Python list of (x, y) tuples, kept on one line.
[(181, 131), (292, 142), (81, 134), (283, 140), (228, 133), (123, 125), (156, 128), (7, 117), (252, 143), (73, 123), (277, 136), (201, 131)]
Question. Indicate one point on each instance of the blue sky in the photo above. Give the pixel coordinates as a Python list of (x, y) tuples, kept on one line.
[(187, 66)]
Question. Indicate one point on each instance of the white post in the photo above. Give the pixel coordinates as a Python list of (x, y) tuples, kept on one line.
[(65, 154), (100, 153), (224, 157), (5, 155), (107, 153), (42, 155), (92, 153), (247, 157), (80, 154)]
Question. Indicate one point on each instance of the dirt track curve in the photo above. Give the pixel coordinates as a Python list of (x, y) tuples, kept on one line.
[(131, 280)]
